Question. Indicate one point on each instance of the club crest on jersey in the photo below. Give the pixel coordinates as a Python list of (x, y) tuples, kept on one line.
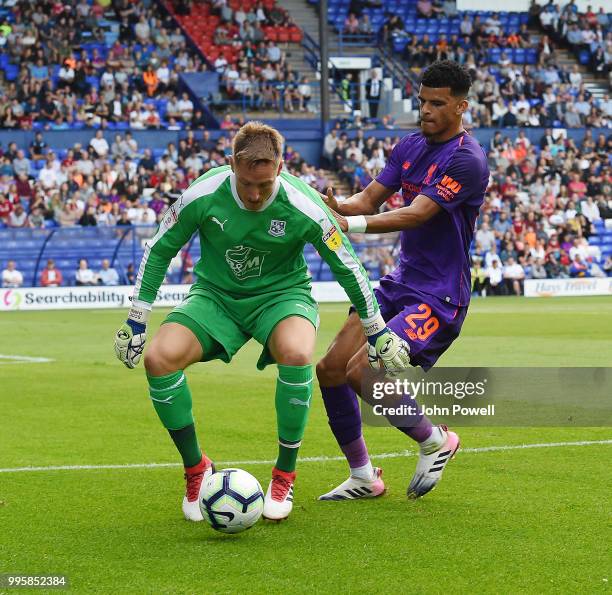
[(333, 239), (245, 262), (277, 228), (430, 172)]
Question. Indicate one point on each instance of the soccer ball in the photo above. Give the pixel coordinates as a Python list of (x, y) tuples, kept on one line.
[(231, 500)]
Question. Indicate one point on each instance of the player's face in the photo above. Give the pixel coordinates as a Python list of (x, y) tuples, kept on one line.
[(255, 183), (440, 112)]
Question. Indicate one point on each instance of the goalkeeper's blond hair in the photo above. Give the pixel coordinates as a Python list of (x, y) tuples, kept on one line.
[(256, 143)]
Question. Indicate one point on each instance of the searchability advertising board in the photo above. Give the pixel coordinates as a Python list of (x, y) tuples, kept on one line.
[(66, 298)]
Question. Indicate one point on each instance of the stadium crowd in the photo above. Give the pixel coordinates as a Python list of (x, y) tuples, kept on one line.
[(91, 65), (534, 90), (538, 215)]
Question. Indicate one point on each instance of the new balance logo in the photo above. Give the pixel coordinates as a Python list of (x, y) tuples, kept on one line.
[(221, 225)]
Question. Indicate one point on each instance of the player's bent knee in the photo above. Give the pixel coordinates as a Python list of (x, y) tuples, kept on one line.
[(295, 357), (159, 361), (331, 371)]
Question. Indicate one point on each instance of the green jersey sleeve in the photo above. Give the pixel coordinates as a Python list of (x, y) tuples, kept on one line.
[(179, 223), (334, 248)]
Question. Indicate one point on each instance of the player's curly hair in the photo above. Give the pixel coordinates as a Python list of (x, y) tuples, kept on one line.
[(446, 73), (257, 142)]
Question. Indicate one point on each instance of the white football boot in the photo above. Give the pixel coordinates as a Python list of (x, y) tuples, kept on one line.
[(355, 487), (278, 502), (431, 465), (194, 477)]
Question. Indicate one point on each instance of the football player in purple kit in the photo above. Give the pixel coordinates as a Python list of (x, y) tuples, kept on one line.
[(443, 175)]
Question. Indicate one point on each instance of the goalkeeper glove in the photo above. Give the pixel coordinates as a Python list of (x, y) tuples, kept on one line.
[(130, 338), (389, 349), (385, 347)]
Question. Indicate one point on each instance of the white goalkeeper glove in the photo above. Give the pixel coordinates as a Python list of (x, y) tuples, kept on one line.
[(130, 338), (390, 350)]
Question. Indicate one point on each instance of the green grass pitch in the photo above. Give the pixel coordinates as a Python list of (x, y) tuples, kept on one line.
[(515, 521)]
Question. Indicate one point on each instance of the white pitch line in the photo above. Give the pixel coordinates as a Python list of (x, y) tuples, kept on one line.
[(321, 459), (23, 359)]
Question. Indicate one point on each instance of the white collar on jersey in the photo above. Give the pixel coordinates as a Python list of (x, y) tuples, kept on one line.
[(265, 205)]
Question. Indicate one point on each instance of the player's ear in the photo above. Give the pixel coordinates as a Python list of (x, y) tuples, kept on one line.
[(462, 107), (231, 162), (280, 167)]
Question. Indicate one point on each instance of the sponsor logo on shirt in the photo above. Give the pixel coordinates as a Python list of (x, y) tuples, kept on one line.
[(170, 218), (245, 262), (447, 188), (333, 239), (406, 165), (410, 190)]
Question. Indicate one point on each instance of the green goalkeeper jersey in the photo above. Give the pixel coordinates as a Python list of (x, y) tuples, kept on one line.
[(246, 253)]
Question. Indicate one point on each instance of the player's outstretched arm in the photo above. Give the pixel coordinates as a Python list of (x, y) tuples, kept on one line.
[(366, 202), (177, 226), (420, 210)]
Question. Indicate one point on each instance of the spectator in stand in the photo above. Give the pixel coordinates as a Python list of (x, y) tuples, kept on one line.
[(494, 279), (18, 217), (185, 106), (130, 274), (51, 276), (107, 274), (84, 275), (351, 25), (100, 145), (11, 277), (514, 275)]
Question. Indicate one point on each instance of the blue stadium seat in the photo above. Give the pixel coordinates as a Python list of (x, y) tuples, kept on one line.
[(584, 57), (493, 55), (531, 56), (519, 56)]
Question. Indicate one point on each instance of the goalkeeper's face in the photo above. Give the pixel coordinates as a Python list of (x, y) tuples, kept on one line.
[(255, 181)]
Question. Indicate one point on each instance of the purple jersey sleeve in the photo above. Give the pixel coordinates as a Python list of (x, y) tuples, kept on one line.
[(461, 182), (391, 176)]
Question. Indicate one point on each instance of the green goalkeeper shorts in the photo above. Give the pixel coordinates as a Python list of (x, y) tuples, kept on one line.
[(231, 322)]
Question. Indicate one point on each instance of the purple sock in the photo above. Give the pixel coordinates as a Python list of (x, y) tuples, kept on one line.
[(356, 453), (417, 426), (344, 419)]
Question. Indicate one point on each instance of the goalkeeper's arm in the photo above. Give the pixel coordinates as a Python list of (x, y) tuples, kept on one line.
[(177, 226), (336, 250)]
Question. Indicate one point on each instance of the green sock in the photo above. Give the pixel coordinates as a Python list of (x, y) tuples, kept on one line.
[(293, 393), (171, 398)]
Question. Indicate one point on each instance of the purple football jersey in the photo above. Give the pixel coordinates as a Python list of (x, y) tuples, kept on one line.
[(434, 257)]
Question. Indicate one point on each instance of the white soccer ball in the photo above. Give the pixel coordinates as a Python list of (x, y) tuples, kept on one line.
[(231, 500)]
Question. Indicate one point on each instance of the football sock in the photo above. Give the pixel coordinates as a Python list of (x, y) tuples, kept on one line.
[(171, 399), (344, 418), (293, 394), (434, 442), (186, 443), (417, 426), (364, 472)]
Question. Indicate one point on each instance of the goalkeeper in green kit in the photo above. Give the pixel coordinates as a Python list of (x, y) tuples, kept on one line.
[(252, 281)]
